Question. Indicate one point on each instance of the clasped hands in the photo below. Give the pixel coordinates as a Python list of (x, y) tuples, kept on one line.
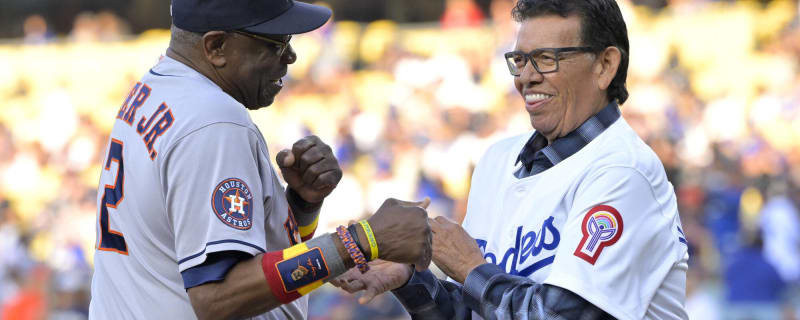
[(401, 228), (455, 252), (406, 236)]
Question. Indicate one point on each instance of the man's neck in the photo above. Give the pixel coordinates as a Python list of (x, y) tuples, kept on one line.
[(189, 60), (206, 69), (553, 136)]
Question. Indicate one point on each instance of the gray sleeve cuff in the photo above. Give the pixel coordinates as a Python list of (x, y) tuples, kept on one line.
[(304, 212), (477, 282), (334, 260)]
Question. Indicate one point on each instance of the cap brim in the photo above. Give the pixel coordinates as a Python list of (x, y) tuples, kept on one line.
[(300, 18)]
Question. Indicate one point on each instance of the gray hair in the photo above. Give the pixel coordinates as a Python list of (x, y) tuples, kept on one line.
[(184, 37)]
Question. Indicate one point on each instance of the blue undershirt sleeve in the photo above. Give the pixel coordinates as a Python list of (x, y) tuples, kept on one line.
[(213, 269)]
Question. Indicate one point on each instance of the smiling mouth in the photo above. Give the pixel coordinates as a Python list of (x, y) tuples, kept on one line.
[(277, 82), (536, 97)]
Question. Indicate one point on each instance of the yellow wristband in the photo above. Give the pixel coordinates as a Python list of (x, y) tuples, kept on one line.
[(309, 229), (373, 244)]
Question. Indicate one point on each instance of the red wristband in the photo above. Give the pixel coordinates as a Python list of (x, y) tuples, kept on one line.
[(294, 271), (268, 265)]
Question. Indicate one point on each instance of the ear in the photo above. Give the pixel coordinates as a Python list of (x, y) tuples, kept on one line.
[(213, 43), (606, 66)]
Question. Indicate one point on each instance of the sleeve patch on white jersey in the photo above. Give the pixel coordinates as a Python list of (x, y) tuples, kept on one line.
[(232, 202), (601, 227)]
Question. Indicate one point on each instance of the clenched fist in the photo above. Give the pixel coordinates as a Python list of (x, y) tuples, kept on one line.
[(310, 168), (402, 232)]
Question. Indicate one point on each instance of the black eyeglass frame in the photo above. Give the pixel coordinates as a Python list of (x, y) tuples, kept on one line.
[(281, 45), (529, 57)]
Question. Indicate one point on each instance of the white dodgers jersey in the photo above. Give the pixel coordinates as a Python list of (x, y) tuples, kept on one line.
[(603, 223), (186, 174)]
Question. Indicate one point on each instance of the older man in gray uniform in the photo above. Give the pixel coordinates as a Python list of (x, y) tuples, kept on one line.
[(193, 221)]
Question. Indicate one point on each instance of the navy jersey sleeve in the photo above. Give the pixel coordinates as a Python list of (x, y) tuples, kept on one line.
[(213, 269)]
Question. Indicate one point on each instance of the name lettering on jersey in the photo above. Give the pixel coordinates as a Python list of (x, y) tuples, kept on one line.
[(149, 129), (161, 126), (601, 227), (231, 201), (128, 109), (531, 245), (124, 106)]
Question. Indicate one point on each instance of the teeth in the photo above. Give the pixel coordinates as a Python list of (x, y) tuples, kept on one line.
[(536, 97)]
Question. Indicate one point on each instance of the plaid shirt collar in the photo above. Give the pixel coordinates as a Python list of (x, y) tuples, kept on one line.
[(537, 156)]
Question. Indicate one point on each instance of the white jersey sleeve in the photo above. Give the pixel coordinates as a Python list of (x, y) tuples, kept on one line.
[(618, 243), (212, 193)]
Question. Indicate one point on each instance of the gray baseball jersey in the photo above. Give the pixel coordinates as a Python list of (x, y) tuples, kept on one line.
[(186, 174)]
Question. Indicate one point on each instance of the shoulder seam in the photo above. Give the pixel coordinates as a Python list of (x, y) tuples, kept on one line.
[(166, 153), (179, 139), (649, 185)]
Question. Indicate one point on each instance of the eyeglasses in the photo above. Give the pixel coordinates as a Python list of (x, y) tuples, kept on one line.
[(545, 60), (282, 45)]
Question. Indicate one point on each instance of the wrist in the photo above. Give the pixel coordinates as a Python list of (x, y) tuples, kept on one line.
[(411, 270), (300, 205), (340, 248), (298, 270), (469, 268), (361, 239), (352, 250), (475, 283)]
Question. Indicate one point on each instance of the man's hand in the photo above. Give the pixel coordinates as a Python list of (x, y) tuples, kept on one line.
[(310, 169), (402, 232), (454, 251), (381, 277)]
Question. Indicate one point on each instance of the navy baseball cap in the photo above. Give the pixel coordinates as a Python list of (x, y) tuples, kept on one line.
[(256, 16)]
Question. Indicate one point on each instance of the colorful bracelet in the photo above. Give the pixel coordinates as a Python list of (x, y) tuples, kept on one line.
[(373, 244), (352, 249)]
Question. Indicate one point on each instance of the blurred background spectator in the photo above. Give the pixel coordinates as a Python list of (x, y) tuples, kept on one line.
[(410, 93)]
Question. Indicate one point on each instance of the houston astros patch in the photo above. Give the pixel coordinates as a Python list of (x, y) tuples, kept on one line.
[(601, 227), (232, 202)]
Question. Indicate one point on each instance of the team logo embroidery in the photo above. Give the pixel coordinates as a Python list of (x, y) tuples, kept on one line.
[(601, 227), (232, 203)]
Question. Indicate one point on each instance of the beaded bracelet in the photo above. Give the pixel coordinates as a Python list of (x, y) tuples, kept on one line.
[(352, 249)]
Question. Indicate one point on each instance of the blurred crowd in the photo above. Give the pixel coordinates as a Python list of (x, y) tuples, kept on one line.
[(409, 109)]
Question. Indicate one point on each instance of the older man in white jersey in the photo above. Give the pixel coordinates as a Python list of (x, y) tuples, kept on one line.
[(575, 220)]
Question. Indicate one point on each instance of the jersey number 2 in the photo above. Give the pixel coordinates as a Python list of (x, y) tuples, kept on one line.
[(111, 240)]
